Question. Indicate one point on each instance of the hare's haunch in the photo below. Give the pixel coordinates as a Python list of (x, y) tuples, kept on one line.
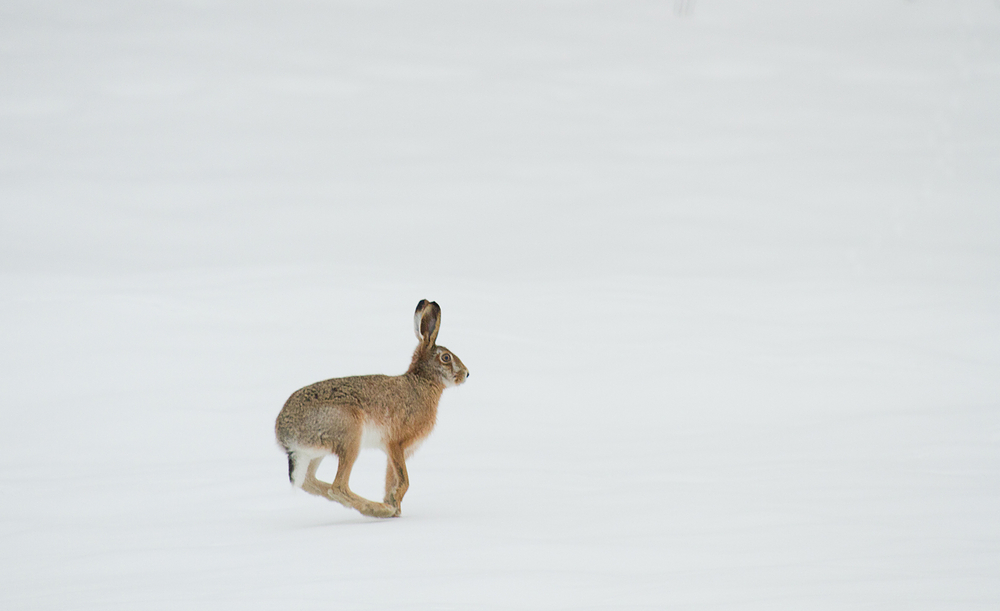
[(392, 413)]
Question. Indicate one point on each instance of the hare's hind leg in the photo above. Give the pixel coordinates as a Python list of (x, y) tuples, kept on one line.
[(340, 490), (311, 484), (302, 465)]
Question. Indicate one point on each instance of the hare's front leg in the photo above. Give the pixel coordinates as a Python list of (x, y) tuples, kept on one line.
[(396, 479)]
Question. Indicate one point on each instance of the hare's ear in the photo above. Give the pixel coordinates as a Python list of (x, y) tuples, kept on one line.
[(427, 321), (417, 316)]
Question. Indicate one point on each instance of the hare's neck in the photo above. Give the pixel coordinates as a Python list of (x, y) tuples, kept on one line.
[(422, 368), (429, 385)]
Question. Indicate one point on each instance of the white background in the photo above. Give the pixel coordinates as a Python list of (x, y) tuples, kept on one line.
[(726, 275)]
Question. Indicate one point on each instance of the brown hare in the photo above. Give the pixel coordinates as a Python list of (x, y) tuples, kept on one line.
[(392, 413)]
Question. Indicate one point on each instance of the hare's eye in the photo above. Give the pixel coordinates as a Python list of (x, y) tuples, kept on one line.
[(445, 358)]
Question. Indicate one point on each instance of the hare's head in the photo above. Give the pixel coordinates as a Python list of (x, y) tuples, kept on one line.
[(430, 360)]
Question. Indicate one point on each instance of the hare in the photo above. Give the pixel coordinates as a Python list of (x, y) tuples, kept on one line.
[(392, 413)]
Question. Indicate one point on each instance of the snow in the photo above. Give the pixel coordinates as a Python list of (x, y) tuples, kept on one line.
[(726, 276)]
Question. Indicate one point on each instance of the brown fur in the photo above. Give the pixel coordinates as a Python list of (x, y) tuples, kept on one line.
[(331, 417)]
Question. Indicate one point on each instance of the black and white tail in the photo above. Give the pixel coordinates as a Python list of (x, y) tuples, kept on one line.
[(291, 466), (299, 459)]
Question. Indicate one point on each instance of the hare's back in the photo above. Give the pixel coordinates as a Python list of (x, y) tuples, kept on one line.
[(354, 390), (313, 413)]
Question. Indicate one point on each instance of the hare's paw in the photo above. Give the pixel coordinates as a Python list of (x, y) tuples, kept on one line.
[(390, 500), (379, 510)]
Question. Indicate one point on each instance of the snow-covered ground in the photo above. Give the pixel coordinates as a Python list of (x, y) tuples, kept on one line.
[(726, 275)]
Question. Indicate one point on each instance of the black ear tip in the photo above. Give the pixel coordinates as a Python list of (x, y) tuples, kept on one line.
[(422, 304)]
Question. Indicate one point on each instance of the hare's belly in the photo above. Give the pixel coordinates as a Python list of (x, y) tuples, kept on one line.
[(373, 436)]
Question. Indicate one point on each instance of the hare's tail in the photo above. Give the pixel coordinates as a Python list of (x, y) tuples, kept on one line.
[(299, 459), (291, 462), (291, 466)]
